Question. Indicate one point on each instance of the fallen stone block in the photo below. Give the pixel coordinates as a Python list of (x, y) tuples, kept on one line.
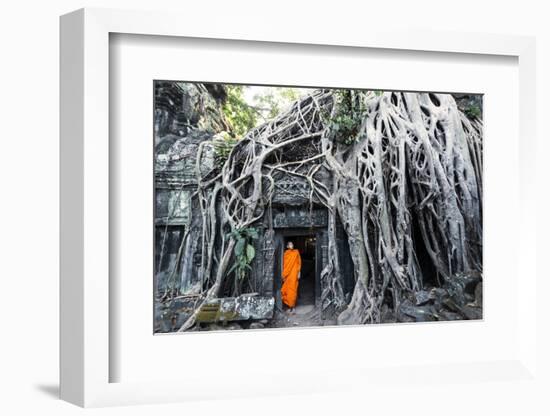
[(241, 308)]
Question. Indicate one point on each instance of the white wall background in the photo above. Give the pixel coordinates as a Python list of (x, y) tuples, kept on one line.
[(29, 57)]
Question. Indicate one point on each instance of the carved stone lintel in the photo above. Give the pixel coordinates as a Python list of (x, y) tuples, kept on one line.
[(300, 218)]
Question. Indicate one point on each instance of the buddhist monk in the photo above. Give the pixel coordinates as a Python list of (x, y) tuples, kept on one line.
[(292, 263)]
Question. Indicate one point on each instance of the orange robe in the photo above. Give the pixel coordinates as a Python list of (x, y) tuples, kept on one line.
[(292, 262)]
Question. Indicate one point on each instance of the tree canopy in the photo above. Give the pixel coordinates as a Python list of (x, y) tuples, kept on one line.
[(240, 115), (247, 107)]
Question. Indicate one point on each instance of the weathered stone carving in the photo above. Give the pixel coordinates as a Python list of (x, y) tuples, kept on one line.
[(241, 308), (300, 218), (268, 259)]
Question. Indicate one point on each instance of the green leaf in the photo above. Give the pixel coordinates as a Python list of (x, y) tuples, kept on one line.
[(239, 247), (250, 252)]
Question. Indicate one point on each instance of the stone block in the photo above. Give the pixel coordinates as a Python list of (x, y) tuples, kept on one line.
[(241, 308)]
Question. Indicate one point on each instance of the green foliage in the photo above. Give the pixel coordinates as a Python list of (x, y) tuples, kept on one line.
[(267, 104), (473, 111), (273, 100), (244, 111), (345, 124), (244, 250), (223, 144), (240, 115)]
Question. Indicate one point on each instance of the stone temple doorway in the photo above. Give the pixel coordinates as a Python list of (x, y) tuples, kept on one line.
[(307, 243)]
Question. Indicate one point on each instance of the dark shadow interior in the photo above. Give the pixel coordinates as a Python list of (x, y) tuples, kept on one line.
[(427, 267), (306, 288)]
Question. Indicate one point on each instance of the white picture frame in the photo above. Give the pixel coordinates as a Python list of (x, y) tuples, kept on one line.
[(85, 353)]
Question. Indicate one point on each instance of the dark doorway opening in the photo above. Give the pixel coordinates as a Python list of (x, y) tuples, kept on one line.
[(427, 267), (306, 245)]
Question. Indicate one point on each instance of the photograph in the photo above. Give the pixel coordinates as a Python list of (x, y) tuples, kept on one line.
[(291, 207)]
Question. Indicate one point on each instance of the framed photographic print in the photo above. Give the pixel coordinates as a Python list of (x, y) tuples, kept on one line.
[(333, 202)]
